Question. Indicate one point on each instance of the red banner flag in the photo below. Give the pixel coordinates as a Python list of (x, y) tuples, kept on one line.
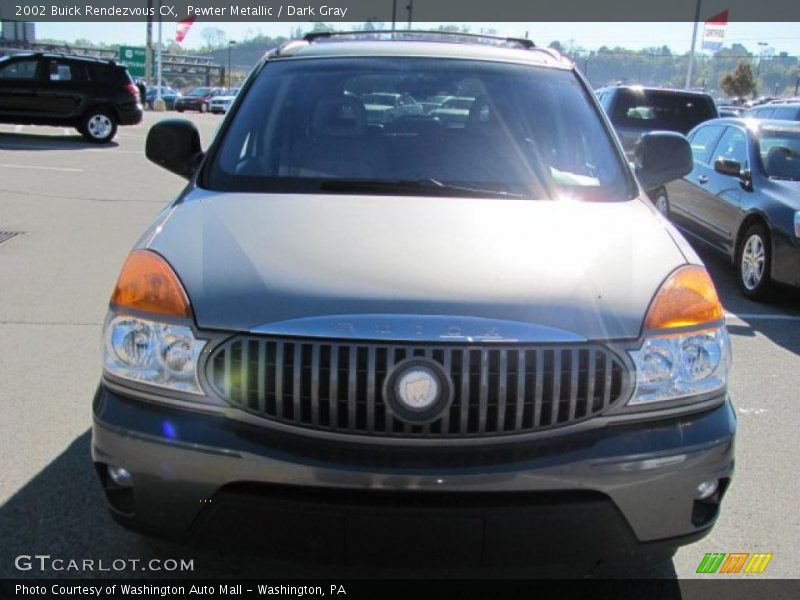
[(183, 28)]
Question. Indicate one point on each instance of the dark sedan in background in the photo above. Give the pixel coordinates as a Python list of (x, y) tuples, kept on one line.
[(168, 94), (198, 99), (743, 198), (787, 111)]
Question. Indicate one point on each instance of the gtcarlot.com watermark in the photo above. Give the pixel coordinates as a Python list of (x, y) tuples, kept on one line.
[(46, 562)]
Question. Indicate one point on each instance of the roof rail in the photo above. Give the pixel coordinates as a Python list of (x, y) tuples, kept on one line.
[(421, 35)]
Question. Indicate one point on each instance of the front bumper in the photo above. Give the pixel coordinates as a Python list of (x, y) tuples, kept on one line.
[(614, 491)]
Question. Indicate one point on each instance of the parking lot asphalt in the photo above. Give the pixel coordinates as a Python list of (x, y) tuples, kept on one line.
[(78, 208)]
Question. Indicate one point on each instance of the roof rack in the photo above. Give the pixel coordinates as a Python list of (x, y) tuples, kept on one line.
[(421, 35)]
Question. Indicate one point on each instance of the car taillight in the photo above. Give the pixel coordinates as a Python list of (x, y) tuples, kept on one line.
[(132, 90)]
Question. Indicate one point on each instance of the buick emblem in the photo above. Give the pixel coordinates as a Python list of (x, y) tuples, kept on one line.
[(418, 390)]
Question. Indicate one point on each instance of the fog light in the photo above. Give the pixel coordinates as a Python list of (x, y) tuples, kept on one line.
[(706, 489), (120, 476)]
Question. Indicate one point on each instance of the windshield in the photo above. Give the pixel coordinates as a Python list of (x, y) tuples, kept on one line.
[(307, 127), (203, 91), (780, 153)]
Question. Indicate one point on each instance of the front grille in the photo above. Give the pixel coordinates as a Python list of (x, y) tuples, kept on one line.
[(338, 387)]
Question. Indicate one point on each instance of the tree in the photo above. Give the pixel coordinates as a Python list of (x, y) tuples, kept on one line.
[(739, 82), (214, 37)]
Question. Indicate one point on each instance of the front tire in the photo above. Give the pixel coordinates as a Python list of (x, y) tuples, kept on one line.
[(660, 200), (98, 126), (754, 261), (204, 108)]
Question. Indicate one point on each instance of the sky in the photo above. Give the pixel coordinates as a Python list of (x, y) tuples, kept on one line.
[(777, 36)]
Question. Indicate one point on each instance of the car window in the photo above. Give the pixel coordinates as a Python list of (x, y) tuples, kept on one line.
[(652, 109), (702, 141), (59, 70), (732, 146), (761, 113), (523, 130), (19, 69), (779, 152), (785, 112)]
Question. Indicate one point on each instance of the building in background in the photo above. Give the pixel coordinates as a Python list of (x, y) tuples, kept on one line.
[(17, 31)]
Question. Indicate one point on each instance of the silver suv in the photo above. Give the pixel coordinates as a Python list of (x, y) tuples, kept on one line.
[(463, 342)]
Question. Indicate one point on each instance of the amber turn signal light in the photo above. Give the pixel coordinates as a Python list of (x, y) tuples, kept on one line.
[(686, 298), (147, 283)]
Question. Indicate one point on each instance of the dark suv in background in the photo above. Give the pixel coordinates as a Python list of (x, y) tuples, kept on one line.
[(635, 110), (90, 94)]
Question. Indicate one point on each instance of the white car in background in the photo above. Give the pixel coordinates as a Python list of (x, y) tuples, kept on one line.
[(219, 105)]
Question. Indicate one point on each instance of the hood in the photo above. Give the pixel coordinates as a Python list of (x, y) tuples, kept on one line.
[(250, 260)]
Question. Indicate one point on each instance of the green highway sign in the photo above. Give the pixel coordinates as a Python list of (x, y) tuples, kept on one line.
[(134, 58)]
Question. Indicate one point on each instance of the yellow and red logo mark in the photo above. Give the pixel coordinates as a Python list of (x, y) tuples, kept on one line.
[(735, 562)]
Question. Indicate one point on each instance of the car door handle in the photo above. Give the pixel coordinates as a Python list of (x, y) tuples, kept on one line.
[(702, 179)]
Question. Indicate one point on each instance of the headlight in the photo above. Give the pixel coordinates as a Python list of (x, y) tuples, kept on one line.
[(160, 354), (685, 349), (674, 366)]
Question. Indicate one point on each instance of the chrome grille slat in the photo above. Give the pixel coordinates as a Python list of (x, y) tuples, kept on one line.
[(447, 364), (352, 376), (537, 410), (521, 370), (261, 392), (501, 391), (315, 369), (463, 408), (297, 372), (555, 375), (339, 386), (574, 368), (279, 380), (371, 361), (333, 396)]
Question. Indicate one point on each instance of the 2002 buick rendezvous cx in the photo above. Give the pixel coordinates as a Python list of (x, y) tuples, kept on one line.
[(366, 334)]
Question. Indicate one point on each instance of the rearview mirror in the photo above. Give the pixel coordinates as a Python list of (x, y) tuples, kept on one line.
[(662, 156), (728, 166), (175, 145)]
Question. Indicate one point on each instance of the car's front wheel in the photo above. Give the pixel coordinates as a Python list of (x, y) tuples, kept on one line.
[(753, 262), (98, 126), (203, 107), (661, 201)]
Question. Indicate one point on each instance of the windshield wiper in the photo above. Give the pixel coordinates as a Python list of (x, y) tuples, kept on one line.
[(365, 186)]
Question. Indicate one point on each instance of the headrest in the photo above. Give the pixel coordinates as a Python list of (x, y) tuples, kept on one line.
[(782, 162), (343, 116)]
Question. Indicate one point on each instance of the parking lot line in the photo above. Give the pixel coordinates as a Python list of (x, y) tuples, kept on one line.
[(64, 169), (66, 148), (761, 317)]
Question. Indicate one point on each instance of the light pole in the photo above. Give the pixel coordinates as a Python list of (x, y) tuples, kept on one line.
[(158, 103), (231, 44), (690, 67), (763, 46)]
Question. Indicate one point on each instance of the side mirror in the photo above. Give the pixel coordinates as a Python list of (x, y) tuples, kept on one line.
[(175, 145), (662, 156), (728, 166)]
